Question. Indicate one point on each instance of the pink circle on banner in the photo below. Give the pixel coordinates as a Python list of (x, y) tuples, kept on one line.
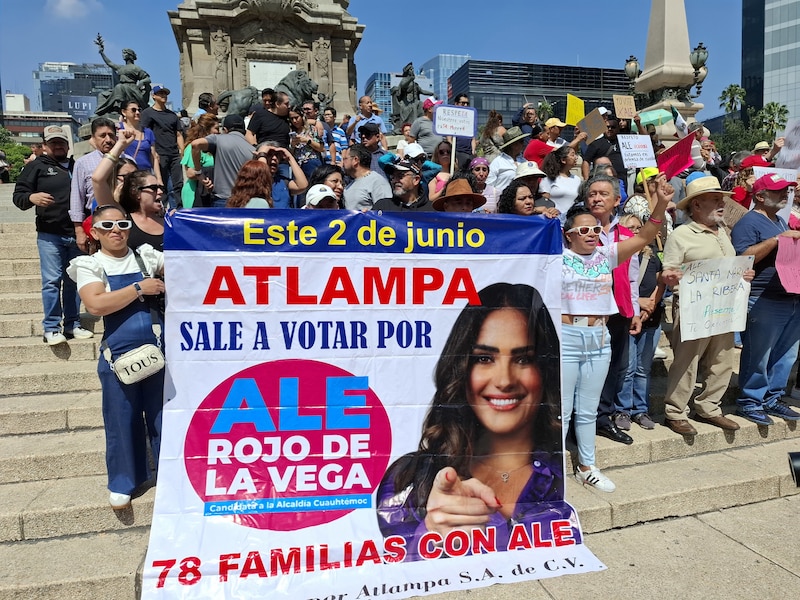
[(323, 440)]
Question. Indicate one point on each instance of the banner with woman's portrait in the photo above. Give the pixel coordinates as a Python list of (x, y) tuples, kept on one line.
[(360, 405)]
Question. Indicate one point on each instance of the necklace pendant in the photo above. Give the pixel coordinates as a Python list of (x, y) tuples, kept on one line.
[(505, 477)]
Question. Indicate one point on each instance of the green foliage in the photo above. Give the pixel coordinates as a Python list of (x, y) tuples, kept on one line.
[(761, 127), (15, 153), (732, 98), (545, 110), (772, 118)]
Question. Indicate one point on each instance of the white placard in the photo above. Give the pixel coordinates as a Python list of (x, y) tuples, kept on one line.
[(460, 121), (637, 151)]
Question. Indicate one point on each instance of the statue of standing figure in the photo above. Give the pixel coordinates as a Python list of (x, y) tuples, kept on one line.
[(406, 105), (134, 83)]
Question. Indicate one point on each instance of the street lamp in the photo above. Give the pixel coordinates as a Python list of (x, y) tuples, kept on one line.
[(632, 71), (698, 59)]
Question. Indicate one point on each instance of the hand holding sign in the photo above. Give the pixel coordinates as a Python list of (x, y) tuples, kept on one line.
[(454, 502)]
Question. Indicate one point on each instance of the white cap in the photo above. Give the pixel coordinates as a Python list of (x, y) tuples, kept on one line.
[(318, 193)]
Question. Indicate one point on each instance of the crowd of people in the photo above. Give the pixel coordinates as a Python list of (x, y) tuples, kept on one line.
[(100, 227)]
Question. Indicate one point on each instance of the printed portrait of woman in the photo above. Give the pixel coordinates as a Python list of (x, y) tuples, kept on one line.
[(490, 453)]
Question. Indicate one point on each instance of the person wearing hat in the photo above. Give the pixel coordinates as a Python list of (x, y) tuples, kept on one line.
[(414, 153), (422, 127), (531, 175), (458, 197), (230, 150), (767, 152), (166, 126), (321, 196), (479, 167), (370, 138), (45, 184), (640, 207), (503, 168), (772, 336), (408, 193), (702, 237)]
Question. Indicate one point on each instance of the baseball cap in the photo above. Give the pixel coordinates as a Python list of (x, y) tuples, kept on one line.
[(54, 132), (402, 165), (772, 182), (369, 128), (413, 150), (318, 193), (528, 168), (233, 122), (646, 173), (430, 103), (160, 89), (553, 122), (755, 160)]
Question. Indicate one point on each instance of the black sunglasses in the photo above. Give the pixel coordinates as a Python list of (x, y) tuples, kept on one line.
[(153, 187)]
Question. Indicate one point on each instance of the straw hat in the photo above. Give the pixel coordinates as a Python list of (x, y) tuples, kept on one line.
[(698, 186), (459, 188)]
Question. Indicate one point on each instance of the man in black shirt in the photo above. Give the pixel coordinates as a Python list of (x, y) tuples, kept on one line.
[(271, 124), (169, 142), (606, 145)]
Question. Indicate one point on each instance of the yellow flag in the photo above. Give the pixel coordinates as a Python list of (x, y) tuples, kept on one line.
[(575, 110)]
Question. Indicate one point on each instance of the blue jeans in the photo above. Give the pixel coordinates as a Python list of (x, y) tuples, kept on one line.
[(770, 344), (585, 356), (635, 395), (58, 290)]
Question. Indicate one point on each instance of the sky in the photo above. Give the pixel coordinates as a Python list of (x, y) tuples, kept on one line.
[(589, 34)]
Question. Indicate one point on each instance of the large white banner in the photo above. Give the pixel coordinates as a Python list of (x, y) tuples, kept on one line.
[(359, 406)]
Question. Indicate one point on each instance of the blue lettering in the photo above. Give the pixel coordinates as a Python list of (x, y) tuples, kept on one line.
[(244, 393), (338, 400), (289, 401)]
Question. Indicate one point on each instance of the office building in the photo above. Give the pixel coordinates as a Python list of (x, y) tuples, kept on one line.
[(505, 87), (17, 102), (69, 87), (771, 62), (439, 69), (379, 88)]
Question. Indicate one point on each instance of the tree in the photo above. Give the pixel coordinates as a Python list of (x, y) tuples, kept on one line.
[(545, 110), (739, 135), (732, 98), (15, 153), (772, 118)]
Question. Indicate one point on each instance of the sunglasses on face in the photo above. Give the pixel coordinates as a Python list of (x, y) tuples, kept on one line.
[(585, 230), (134, 109), (153, 187), (122, 225), (366, 136)]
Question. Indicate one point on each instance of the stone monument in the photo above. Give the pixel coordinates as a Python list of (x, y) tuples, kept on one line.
[(406, 105), (668, 75), (134, 83), (235, 44)]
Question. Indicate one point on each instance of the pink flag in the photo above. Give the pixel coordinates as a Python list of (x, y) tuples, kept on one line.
[(787, 263), (676, 158)]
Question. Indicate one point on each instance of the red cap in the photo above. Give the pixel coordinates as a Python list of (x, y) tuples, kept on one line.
[(772, 182), (755, 160)]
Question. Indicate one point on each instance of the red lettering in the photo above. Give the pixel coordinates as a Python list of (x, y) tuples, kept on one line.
[(453, 549), (324, 563), (231, 291), (562, 533), (262, 275), (369, 553), (395, 280), (536, 530), (395, 548), (519, 539), (461, 277), (339, 276), (280, 564), (484, 541), (430, 545), (167, 565), (293, 295), (348, 554), (425, 280), (253, 565), (226, 565)]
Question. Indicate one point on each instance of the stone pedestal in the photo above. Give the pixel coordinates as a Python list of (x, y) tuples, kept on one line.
[(232, 44)]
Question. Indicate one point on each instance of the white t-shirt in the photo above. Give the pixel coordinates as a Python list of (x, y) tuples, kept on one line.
[(586, 284), (563, 192), (91, 269)]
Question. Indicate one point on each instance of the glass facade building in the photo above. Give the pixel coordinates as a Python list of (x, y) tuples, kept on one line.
[(771, 62), (505, 87), (69, 87), (379, 88), (439, 69)]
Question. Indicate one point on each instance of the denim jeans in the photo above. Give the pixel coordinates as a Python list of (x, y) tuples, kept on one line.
[(585, 356), (172, 176), (635, 395), (769, 350), (58, 290)]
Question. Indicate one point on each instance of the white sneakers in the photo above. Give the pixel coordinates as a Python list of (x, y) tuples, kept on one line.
[(54, 338), (119, 501), (79, 333), (595, 478)]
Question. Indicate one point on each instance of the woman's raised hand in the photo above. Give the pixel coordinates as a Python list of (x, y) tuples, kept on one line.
[(455, 503)]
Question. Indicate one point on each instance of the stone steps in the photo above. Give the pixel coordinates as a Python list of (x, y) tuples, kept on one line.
[(49, 413), (38, 378), (17, 283), (9, 268), (29, 303), (34, 350), (23, 325)]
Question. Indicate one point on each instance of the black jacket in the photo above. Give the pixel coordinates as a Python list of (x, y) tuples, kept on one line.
[(46, 175)]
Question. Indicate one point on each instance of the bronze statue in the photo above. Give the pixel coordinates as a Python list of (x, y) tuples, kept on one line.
[(238, 102), (405, 100), (298, 86), (134, 83)]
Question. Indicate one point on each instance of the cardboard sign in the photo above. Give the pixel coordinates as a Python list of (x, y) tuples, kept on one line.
[(460, 121), (593, 124), (575, 110), (714, 296), (637, 151), (624, 106), (300, 347)]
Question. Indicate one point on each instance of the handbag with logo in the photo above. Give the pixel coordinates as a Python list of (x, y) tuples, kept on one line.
[(144, 361)]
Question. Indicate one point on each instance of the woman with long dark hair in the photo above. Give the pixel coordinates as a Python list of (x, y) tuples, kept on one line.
[(141, 197), (143, 148), (490, 448), (560, 185), (207, 124), (492, 136)]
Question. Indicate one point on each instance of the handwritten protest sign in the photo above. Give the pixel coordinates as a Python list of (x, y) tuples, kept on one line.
[(624, 106), (593, 124), (461, 121), (301, 347), (714, 296), (575, 110), (786, 174), (637, 151)]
